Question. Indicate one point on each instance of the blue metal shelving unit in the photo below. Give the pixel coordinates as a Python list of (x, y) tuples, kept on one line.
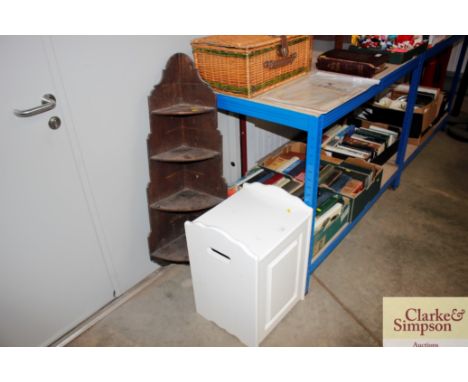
[(314, 127)]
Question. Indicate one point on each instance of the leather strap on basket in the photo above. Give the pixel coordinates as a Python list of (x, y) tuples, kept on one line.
[(285, 59)]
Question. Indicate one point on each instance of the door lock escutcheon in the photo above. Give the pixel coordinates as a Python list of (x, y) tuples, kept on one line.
[(54, 122)]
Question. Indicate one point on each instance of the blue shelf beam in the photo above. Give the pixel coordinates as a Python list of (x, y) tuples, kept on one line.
[(407, 120), (268, 113)]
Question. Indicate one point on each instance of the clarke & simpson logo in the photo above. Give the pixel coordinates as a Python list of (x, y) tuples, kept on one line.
[(436, 321), (416, 320)]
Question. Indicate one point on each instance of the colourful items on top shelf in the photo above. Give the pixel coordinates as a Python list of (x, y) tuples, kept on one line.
[(391, 43), (401, 48)]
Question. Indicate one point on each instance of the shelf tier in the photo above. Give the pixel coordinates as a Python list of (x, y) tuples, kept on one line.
[(389, 171), (175, 251), (183, 109), (185, 154), (187, 200)]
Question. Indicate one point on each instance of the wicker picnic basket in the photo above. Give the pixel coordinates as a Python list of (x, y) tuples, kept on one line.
[(250, 65)]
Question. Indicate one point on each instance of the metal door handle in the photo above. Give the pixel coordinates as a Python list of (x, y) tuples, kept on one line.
[(48, 102)]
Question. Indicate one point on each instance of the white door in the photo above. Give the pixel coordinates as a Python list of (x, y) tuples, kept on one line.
[(52, 271)]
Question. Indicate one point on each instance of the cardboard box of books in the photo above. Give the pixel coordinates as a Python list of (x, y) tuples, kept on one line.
[(392, 146), (354, 178), (332, 213), (391, 107), (288, 159), (372, 142)]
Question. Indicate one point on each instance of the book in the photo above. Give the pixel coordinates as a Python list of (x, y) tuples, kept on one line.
[(326, 204), (330, 215), (358, 63), (347, 151), (292, 186), (288, 163), (300, 167), (328, 175), (299, 192), (393, 136), (336, 133), (238, 184), (372, 133), (282, 182), (352, 187), (340, 182), (276, 163), (360, 146), (323, 194), (293, 166), (262, 177), (378, 147), (367, 174), (273, 179), (376, 136), (379, 140), (300, 177)]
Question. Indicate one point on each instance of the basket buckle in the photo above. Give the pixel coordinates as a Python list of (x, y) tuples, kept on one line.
[(285, 58)]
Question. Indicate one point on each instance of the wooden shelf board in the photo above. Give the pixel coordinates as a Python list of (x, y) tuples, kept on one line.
[(187, 200), (185, 154), (410, 149), (183, 109), (388, 170), (175, 251)]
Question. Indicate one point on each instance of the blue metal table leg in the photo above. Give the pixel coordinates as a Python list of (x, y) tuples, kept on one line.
[(415, 78), (314, 141)]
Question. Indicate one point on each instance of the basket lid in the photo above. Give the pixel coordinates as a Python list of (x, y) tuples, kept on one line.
[(240, 41)]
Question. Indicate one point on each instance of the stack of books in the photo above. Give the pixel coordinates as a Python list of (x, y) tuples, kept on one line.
[(343, 180), (343, 141), (270, 177), (292, 166), (329, 207)]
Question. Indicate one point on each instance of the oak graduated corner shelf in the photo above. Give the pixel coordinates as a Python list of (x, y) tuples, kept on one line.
[(185, 157)]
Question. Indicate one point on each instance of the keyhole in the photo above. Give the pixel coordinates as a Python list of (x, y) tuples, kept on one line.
[(54, 122)]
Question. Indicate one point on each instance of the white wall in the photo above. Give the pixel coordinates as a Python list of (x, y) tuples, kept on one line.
[(107, 80)]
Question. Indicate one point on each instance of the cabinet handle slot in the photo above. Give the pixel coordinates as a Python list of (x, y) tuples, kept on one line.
[(220, 254)]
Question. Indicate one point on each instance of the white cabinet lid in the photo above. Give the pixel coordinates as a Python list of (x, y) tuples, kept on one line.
[(259, 216)]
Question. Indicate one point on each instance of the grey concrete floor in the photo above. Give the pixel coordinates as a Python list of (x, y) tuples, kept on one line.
[(413, 242)]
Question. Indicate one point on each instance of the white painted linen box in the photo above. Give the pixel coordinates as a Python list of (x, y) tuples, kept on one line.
[(248, 259)]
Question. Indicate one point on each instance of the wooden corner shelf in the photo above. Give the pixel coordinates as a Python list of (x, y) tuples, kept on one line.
[(187, 200), (175, 251), (183, 109), (185, 153), (185, 158)]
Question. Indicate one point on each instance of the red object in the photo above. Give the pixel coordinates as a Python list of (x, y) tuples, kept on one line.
[(404, 37), (436, 69), (300, 177), (273, 179), (243, 144)]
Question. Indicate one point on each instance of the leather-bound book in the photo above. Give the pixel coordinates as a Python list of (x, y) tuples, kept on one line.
[(357, 63)]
